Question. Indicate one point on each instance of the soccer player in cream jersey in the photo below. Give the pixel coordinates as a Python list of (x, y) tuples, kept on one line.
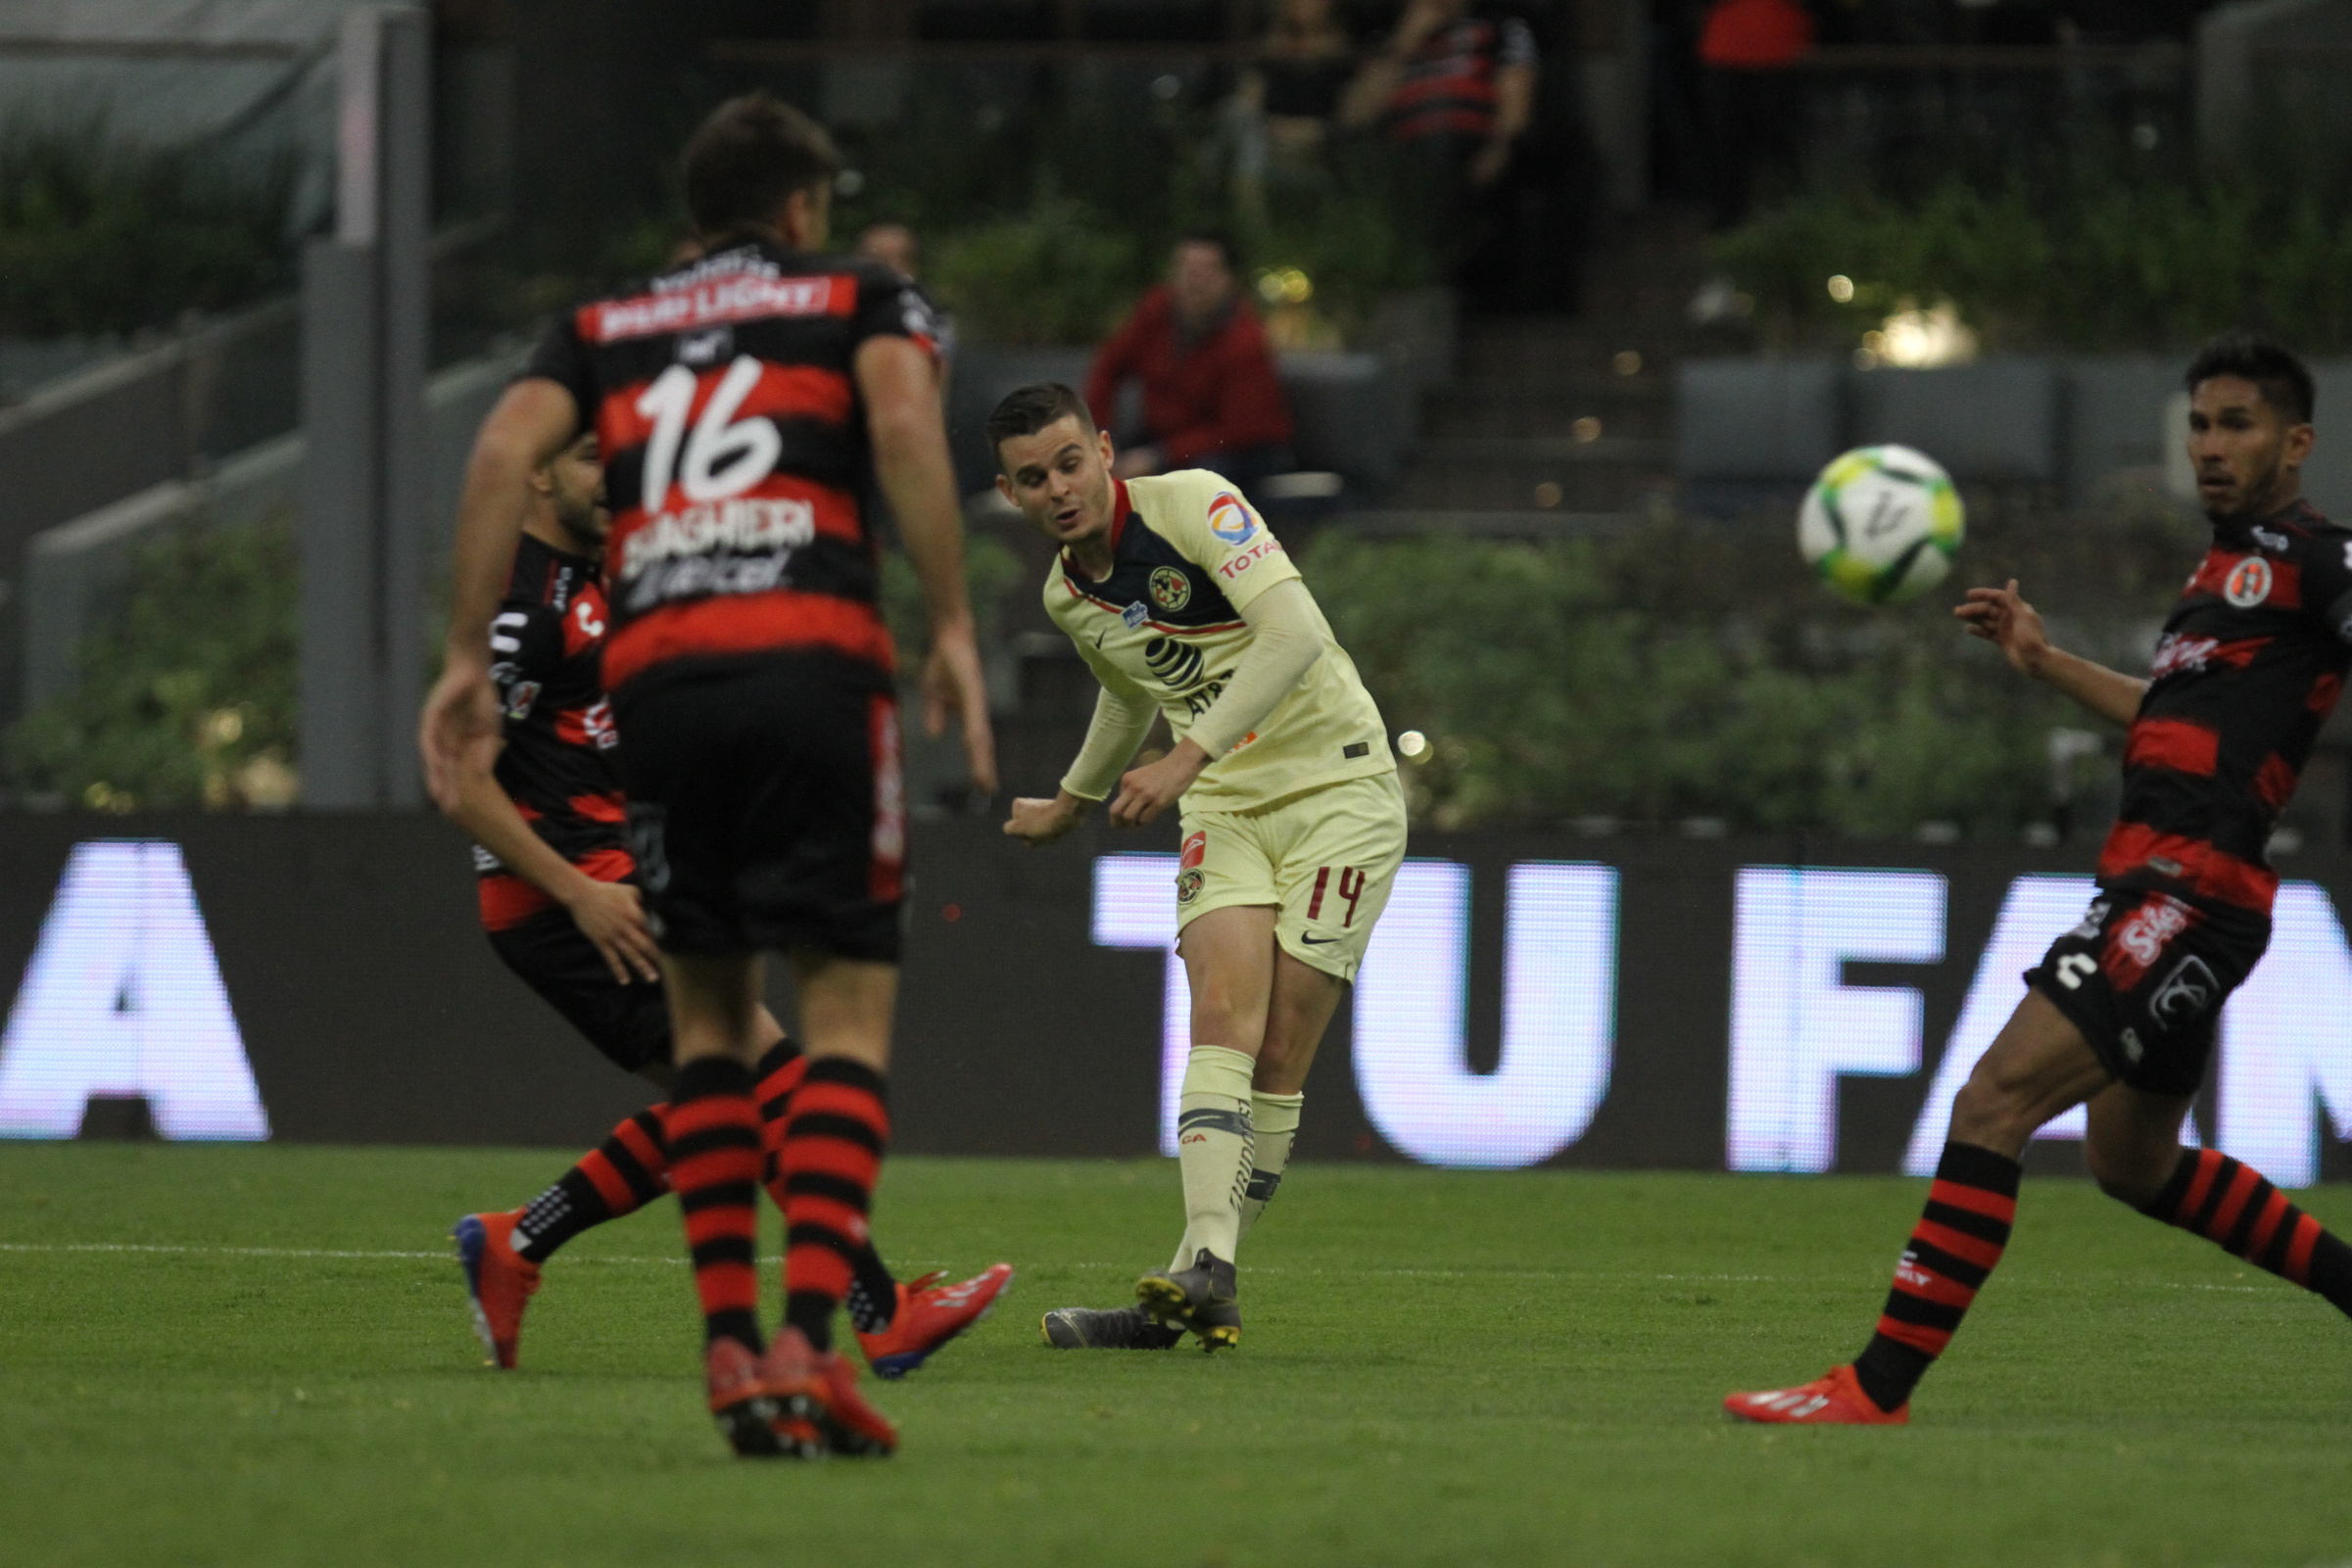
[(1184, 604)]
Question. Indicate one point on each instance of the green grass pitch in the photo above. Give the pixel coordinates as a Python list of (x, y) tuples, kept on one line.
[(1437, 1367)]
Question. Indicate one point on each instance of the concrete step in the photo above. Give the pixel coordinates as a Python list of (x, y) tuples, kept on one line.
[(1583, 350), (1406, 523), (1461, 485), (1552, 451), (1503, 406)]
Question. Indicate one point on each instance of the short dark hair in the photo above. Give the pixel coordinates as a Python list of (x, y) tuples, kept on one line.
[(2284, 379), (1222, 239), (744, 162), (1026, 411)]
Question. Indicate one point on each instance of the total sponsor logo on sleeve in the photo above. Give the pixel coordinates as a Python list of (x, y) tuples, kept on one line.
[(1242, 560), (1230, 519), (1234, 523)]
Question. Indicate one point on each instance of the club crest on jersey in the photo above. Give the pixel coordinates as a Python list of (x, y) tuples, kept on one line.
[(2249, 583), (1170, 589), (1229, 519)]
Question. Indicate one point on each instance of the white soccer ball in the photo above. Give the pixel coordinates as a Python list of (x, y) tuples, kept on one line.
[(1880, 523)]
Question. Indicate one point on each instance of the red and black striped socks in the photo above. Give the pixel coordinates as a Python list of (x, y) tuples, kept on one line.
[(2234, 1206), (830, 1154), (873, 1299), (714, 1167), (1951, 1253), (628, 1170)]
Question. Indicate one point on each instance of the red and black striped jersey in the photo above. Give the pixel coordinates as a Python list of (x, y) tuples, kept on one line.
[(559, 766), (1448, 85), (736, 452), (2248, 667)]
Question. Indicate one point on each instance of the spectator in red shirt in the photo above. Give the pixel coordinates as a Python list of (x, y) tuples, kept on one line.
[(1747, 51), (1211, 398)]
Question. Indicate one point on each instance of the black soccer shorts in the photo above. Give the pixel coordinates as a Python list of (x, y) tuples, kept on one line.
[(630, 1023), (766, 808), (2145, 976)]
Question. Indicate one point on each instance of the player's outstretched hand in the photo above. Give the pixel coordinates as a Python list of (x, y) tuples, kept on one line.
[(1042, 821), (613, 915), (1146, 791), (2003, 618), (460, 712), (954, 685)]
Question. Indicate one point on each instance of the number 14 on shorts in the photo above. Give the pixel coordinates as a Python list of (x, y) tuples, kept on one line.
[(1351, 884)]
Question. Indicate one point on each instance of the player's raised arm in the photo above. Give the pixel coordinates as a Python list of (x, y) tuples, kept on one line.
[(2003, 617), (899, 382), (532, 422)]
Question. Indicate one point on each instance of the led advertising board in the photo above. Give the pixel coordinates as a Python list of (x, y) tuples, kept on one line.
[(1761, 1007)]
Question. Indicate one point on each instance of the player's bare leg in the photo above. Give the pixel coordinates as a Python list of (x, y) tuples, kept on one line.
[(2133, 1145)]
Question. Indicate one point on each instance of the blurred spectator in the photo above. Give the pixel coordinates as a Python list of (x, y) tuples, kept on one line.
[(891, 244), (1747, 53), (1304, 65), (1211, 398), (1455, 89)]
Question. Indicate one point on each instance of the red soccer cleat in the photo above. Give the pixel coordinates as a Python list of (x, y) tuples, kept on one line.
[(498, 1281), (742, 1403), (929, 1316), (815, 1396), (1832, 1399)]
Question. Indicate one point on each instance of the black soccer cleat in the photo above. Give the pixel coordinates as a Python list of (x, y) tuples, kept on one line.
[(1114, 1328), (1203, 1298)]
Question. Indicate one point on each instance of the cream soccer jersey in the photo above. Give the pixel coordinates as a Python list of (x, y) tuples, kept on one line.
[(1188, 554)]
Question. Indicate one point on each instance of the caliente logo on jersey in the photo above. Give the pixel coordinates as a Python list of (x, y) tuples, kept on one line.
[(1229, 519)]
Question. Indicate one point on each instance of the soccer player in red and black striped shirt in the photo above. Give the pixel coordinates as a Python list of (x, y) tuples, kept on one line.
[(747, 402), (543, 803), (2122, 1012)]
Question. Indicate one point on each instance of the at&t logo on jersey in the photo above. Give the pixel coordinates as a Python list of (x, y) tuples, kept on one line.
[(2249, 583), (1229, 519)]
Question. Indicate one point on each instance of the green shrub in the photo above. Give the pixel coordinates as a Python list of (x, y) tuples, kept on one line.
[(100, 233), (2091, 265), (1053, 274), (1684, 671), (990, 571), (186, 695)]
